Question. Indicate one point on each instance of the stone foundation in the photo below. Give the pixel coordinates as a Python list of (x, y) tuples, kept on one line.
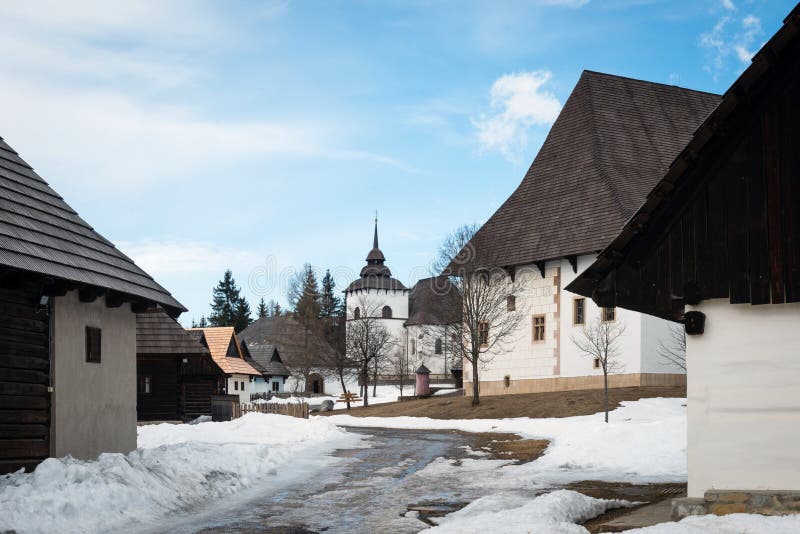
[(724, 502), (574, 383)]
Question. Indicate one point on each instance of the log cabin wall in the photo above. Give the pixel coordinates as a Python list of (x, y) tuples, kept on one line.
[(24, 377), (738, 234), (157, 388)]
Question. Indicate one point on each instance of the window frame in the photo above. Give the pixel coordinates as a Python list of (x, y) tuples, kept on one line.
[(535, 328), (145, 385), (575, 311), (235, 385), (483, 333), (437, 346), (276, 386), (511, 303), (604, 311), (596, 364), (386, 312), (94, 344), (357, 313)]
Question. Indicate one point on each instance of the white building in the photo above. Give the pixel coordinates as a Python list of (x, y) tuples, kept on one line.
[(716, 247), (612, 141)]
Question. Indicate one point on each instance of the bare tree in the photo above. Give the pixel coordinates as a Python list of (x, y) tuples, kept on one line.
[(368, 342), (401, 365), (600, 340), (673, 350), (482, 290)]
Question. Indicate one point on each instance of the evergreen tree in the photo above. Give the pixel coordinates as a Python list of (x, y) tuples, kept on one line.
[(262, 310), (226, 302), (203, 322), (194, 323), (275, 309), (330, 303), (241, 315), (304, 295)]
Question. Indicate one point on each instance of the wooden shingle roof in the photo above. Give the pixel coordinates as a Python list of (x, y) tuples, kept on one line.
[(40, 233), (222, 341), (267, 359), (610, 144), (298, 346), (434, 301), (158, 333)]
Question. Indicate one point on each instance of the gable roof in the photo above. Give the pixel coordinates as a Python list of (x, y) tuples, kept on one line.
[(158, 333), (609, 145), (434, 301), (678, 187), (298, 346), (40, 233), (219, 339), (267, 359)]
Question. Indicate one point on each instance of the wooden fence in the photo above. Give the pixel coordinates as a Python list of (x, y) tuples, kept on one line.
[(292, 409)]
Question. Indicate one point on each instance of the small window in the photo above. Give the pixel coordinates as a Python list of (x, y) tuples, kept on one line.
[(93, 340), (145, 382), (483, 334), (386, 313), (437, 347), (242, 386), (538, 328), (413, 346), (609, 315), (276, 387), (507, 381), (597, 363), (357, 313), (511, 303), (578, 311), (236, 385)]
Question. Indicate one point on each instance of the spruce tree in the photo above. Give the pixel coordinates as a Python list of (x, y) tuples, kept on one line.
[(241, 315), (203, 322), (306, 297), (329, 301), (226, 299), (262, 310), (275, 309)]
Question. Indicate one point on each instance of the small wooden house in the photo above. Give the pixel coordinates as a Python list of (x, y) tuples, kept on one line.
[(227, 353), (68, 303), (716, 246), (267, 359), (175, 373)]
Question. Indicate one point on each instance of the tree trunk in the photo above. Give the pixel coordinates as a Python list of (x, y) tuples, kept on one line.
[(366, 384), (344, 389), (476, 399), (605, 386), (375, 380)]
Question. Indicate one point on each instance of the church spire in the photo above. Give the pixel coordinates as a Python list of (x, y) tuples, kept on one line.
[(375, 239)]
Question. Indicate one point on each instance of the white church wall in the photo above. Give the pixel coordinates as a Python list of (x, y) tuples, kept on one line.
[(376, 299)]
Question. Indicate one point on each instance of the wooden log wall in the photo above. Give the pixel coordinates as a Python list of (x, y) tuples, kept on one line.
[(24, 377)]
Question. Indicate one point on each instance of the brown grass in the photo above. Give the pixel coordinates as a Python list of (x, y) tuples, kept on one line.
[(552, 404)]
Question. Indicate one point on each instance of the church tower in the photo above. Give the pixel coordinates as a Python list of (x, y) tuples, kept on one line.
[(376, 294)]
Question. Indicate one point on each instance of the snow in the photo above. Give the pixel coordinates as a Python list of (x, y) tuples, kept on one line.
[(555, 512), (729, 524), (644, 442), (175, 468)]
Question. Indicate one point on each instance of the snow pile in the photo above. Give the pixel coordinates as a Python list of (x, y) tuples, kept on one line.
[(729, 524), (557, 512), (174, 468), (645, 441)]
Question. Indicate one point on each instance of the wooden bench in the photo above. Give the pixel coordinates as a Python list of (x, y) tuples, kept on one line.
[(349, 397)]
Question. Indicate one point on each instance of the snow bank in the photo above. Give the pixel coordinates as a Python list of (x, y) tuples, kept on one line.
[(729, 524), (175, 468), (645, 441), (557, 512)]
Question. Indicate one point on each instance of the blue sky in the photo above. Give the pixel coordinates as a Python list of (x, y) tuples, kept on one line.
[(262, 135)]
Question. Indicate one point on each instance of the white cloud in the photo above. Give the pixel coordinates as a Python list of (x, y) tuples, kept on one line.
[(731, 36), (519, 102), (167, 258), (728, 4)]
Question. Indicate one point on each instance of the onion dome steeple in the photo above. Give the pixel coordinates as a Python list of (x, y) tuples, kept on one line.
[(375, 274)]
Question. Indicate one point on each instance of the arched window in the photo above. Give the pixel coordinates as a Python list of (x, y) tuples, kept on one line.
[(438, 346), (357, 313), (387, 312)]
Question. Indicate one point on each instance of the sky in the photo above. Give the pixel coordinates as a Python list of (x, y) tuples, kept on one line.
[(258, 136)]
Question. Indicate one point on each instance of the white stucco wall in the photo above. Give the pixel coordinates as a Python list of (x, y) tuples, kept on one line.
[(424, 341), (94, 404), (655, 332), (376, 299), (744, 398), (261, 385), (244, 395)]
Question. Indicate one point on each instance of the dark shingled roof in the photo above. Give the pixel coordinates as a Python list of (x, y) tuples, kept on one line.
[(266, 359), (611, 143), (298, 346), (40, 233), (375, 275), (434, 301), (158, 333)]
